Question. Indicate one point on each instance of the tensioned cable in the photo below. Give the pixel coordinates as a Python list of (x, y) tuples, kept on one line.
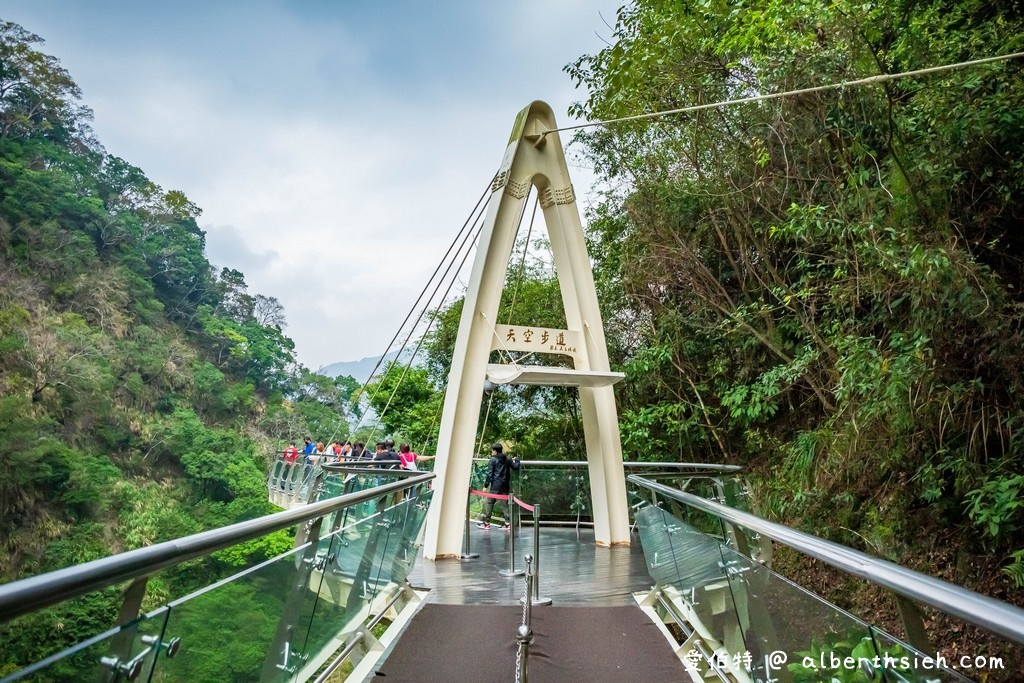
[(522, 261), (470, 220), (518, 224), (433, 317), (473, 232), (881, 78), (430, 324), (511, 309)]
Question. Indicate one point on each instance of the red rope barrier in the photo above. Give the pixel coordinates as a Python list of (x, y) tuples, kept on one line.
[(496, 496), (528, 508)]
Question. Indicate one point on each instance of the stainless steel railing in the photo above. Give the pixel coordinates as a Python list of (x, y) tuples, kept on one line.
[(990, 614), (34, 593)]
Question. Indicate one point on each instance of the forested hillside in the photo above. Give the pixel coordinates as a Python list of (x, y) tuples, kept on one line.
[(141, 390), (826, 287)]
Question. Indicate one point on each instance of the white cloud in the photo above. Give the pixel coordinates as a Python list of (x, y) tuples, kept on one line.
[(336, 150)]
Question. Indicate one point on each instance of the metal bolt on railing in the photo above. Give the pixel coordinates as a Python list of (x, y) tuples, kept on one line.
[(171, 646), (289, 653), (319, 563), (131, 669)]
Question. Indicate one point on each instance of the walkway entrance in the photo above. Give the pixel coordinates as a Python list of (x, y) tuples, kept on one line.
[(593, 631)]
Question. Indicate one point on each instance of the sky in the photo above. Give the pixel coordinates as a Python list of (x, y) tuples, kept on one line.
[(335, 147)]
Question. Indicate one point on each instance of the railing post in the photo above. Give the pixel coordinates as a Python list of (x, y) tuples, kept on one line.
[(524, 637), (466, 555), (281, 645), (537, 600), (528, 598), (131, 605), (913, 623)]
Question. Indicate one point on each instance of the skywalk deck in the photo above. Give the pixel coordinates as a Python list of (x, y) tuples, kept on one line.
[(593, 632), (573, 571)]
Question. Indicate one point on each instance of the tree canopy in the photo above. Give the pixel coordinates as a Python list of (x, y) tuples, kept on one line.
[(141, 391)]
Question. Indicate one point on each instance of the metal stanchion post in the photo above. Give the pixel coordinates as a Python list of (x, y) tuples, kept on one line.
[(524, 638), (537, 600), (528, 598), (524, 634), (466, 555), (513, 525)]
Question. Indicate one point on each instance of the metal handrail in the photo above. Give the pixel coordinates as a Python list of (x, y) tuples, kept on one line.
[(991, 614), (34, 593), (711, 467), (365, 467)]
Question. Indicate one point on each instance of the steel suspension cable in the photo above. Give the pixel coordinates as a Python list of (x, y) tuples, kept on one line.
[(433, 318), (470, 220), (408, 365), (880, 78), (522, 261)]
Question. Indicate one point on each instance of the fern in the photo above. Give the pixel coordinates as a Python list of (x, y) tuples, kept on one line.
[(1015, 570)]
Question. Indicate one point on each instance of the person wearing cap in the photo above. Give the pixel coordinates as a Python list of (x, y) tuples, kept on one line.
[(499, 476)]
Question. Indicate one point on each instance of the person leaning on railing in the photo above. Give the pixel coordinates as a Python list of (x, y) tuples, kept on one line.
[(409, 459), (385, 457)]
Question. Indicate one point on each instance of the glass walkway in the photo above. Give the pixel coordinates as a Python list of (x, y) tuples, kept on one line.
[(693, 597)]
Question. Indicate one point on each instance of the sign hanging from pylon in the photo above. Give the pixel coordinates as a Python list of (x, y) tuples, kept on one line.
[(533, 158)]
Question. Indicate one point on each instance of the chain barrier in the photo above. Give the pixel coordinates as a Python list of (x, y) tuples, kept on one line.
[(524, 634)]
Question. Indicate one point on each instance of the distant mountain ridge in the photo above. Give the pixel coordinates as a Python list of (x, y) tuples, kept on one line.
[(359, 370)]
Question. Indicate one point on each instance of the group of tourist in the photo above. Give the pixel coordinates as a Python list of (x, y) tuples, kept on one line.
[(499, 467), (384, 454)]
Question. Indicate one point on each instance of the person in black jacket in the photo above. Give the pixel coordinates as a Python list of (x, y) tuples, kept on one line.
[(499, 474), (385, 457)]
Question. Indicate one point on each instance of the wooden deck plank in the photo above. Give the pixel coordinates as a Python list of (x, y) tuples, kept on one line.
[(572, 572)]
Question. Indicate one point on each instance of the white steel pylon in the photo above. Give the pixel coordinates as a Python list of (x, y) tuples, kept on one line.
[(533, 157)]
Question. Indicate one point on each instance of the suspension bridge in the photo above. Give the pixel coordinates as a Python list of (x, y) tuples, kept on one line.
[(611, 570)]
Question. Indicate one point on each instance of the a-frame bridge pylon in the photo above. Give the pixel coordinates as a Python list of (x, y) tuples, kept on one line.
[(532, 158)]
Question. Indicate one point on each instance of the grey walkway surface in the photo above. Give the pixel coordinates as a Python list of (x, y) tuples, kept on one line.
[(572, 572)]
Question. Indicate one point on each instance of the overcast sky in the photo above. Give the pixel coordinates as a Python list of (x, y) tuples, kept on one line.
[(335, 147)]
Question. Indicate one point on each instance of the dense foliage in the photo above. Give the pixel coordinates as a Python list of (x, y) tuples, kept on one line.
[(141, 391), (825, 287)]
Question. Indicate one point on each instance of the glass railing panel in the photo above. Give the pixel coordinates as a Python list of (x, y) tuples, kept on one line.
[(238, 629), (366, 564), (410, 527), (900, 663), (761, 625), (276, 472), (562, 492), (341, 590), (334, 485), (112, 655), (689, 568), (788, 628)]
